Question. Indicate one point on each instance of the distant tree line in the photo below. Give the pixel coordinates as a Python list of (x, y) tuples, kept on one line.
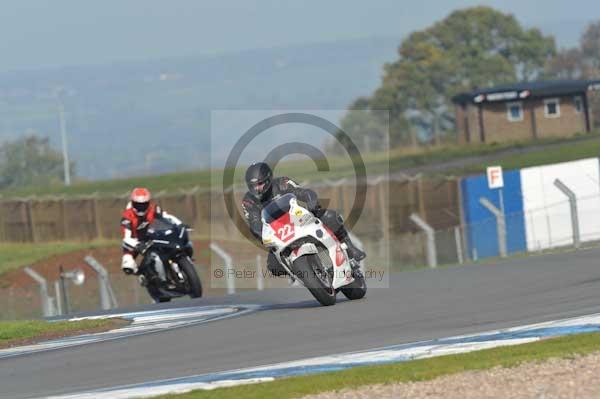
[(469, 49), (30, 161), (580, 62)]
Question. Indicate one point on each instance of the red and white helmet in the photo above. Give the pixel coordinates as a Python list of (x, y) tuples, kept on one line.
[(140, 200)]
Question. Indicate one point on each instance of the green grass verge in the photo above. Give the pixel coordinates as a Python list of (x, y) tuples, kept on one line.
[(435, 155), (553, 154), (566, 149), (300, 170), (416, 370), (30, 330), (16, 255)]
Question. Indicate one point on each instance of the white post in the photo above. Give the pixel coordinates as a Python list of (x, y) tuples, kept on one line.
[(500, 225), (459, 250), (63, 135), (260, 281), (108, 300), (573, 205), (229, 277), (430, 233), (47, 305), (58, 296)]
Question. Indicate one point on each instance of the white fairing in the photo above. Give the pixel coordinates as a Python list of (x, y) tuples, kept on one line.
[(302, 223), (171, 218), (305, 249)]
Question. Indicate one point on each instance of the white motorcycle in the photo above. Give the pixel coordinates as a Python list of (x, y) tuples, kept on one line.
[(310, 251)]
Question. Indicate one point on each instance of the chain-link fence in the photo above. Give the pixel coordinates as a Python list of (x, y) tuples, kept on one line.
[(391, 238), (389, 202), (453, 245), (560, 225), (20, 295)]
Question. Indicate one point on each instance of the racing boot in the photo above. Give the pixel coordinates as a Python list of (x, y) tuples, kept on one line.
[(335, 222), (142, 280), (353, 251)]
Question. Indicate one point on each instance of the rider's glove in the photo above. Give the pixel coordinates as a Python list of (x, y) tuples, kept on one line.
[(128, 264), (131, 244)]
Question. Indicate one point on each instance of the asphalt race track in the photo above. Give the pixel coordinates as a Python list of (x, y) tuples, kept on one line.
[(419, 305)]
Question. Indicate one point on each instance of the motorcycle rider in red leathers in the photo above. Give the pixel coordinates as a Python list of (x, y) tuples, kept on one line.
[(140, 212)]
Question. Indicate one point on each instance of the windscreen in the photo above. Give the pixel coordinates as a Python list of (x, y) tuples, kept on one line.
[(277, 208), (158, 227)]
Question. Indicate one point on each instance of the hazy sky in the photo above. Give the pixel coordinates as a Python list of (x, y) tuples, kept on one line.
[(38, 33)]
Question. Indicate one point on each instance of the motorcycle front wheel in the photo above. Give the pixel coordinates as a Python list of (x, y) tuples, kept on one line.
[(308, 268), (356, 289), (191, 276)]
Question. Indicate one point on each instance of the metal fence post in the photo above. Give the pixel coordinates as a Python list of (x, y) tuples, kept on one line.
[(229, 278), (66, 305), (58, 296), (31, 220), (382, 195), (573, 205), (474, 255), (500, 225), (430, 233), (47, 304), (108, 300), (459, 249)]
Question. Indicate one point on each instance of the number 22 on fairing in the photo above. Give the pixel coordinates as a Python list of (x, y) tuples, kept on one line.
[(285, 232)]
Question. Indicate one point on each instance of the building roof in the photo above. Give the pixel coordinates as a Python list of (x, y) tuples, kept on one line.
[(523, 90)]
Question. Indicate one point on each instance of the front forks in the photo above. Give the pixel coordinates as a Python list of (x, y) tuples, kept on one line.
[(177, 270)]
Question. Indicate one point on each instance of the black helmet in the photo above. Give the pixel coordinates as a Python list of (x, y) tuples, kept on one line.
[(259, 179)]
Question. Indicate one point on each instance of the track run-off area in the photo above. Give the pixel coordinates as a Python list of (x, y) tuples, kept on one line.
[(288, 327)]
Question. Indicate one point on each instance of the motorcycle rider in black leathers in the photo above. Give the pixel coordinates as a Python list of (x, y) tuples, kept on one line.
[(263, 187)]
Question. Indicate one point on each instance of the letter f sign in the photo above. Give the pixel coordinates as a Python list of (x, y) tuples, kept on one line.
[(494, 177)]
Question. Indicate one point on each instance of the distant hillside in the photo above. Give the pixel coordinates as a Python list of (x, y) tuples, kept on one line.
[(433, 162), (153, 117)]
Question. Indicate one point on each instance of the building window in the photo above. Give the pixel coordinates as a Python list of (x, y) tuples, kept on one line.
[(578, 104), (552, 108), (515, 111)]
